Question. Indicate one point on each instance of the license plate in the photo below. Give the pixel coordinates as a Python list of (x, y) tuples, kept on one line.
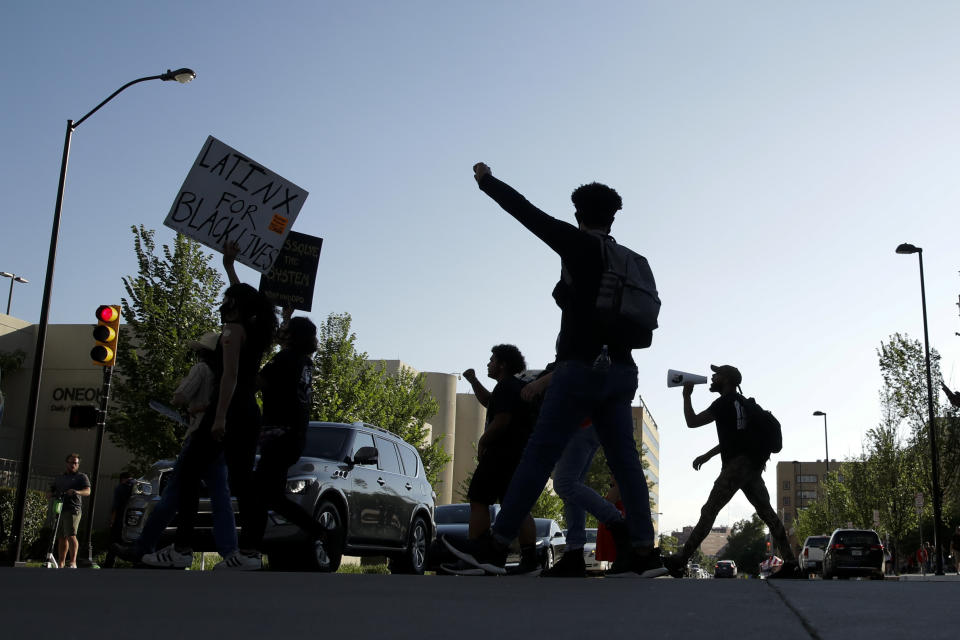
[(856, 552)]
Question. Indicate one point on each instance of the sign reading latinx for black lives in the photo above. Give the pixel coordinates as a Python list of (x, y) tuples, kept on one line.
[(227, 197), (291, 281)]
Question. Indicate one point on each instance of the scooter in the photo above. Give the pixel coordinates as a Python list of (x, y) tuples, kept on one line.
[(57, 509)]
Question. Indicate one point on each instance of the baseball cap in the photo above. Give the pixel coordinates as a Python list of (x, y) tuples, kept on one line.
[(728, 371)]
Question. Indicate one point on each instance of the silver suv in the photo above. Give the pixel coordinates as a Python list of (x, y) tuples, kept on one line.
[(364, 484)]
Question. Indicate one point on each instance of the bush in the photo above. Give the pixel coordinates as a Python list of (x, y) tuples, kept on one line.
[(34, 519)]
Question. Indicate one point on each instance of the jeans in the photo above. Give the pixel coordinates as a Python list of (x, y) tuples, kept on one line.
[(578, 498), (224, 527), (578, 392)]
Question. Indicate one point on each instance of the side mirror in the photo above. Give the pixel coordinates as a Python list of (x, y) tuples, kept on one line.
[(366, 455)]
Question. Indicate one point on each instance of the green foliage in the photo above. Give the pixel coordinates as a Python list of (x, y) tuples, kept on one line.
[(599, 477), (549, 505), (173, 299), (668, 544), (747, 545), (34, 519), (348, 388), (11, 361)]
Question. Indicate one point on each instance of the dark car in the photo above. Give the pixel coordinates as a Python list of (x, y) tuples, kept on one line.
[(364, 484), (453, 521), (725, 569), (853, 552)]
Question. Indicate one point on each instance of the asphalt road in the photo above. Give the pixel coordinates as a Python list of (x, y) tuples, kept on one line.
[(137, 603)]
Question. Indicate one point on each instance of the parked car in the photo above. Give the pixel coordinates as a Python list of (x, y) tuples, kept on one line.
[(811, 557), (364, 484), (853, 552), (550, 537), (590, 554), (453, 524), (725, 569)]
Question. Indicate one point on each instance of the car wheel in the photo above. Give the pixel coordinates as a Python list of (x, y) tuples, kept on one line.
[(550, 559), (328, 516), (414, 559)]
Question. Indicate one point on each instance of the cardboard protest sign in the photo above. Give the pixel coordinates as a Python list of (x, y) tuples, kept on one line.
[(291, 281), (228, 197)]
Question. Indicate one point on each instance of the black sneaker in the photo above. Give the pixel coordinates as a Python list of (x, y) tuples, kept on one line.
[(570, 565), (484, 552), (637, 565), (128, 552), (789, 570), (676, 565)]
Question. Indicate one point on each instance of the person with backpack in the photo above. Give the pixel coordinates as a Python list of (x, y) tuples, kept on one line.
[(746, 440), (595, 376)]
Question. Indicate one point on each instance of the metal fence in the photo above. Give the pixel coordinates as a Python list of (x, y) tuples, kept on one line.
[(10, 476)]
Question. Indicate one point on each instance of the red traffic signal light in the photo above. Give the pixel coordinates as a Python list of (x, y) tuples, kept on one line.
[(106, 334)]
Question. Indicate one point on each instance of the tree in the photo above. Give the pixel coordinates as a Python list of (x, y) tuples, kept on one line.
[(903, 365), (172, 300), (747, 545), (348, 388), (599, 477)]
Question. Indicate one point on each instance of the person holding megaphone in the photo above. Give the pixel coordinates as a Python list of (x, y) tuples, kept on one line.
[(741, 467)]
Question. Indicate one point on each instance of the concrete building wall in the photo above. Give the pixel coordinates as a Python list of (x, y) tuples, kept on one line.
[(471, 418)]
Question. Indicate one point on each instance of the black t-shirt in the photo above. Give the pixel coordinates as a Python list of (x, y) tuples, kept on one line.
[(287, 386), (580, 329), (76, 481), (731, 427), (505, 398)]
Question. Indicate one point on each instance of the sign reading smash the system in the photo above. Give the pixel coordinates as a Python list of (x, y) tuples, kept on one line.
[(227, 197), (291, 281)]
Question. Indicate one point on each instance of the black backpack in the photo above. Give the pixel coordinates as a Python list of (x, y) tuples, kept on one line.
[(763, 427)]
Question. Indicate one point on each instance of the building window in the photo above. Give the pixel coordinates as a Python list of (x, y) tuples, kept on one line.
[(787, 517), (786, 485), (807, 479), (807, 495), (786, 501)]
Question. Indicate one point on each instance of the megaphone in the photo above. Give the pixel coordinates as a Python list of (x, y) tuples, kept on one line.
[(679, 378)]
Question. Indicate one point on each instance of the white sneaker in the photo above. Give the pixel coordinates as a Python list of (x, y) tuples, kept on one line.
[(168, 557), (240, 561)]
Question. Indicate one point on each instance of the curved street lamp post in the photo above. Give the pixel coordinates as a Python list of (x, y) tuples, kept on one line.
[(907, 249), (182, 76)]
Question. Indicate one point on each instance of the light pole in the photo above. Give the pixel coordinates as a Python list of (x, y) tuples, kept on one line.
[(906, 249), (16, 528), (13, 278), (825, 444)]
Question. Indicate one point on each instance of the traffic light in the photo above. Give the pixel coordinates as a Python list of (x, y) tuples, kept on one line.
[(106, 333)]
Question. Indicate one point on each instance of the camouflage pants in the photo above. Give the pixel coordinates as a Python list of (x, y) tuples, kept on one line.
[(739, 474)]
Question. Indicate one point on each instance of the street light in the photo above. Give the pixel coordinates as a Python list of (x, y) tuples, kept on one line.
[(825, 445), (906, 249), (16, 528), (13, 278)]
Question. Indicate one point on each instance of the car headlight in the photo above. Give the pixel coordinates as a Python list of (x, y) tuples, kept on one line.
[(298, 485), (142, 488)]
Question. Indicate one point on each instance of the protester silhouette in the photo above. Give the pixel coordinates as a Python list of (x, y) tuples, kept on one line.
[(286, 383), (743, 461), (231, 426), (508, 424), (595, 377)]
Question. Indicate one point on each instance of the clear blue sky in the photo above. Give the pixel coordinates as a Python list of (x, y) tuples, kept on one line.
[(771, 156)]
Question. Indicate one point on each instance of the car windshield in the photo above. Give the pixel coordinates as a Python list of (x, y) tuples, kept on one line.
[(452, 514), (326, 442), (543, 527), (820, 542), (857, 537), (591, 535)]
